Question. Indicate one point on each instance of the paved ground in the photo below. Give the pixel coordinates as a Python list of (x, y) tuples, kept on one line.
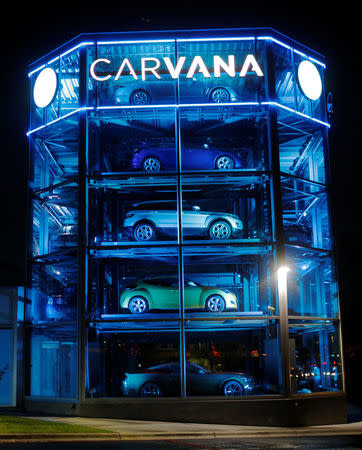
[(302, 443), (208, 436)]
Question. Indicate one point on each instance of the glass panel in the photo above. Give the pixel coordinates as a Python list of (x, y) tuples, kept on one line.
[(132, 141), (54, 154), (132, 74), (8, 301), (142, 364), (301, 152), (223, 139), (6, 366), (315, 357), (234, 363), (53, 295), (225, 207), (55, 220), (232, 281), (139, 210), (69, 83), (284, 76), (135, 283), (305, 213), (54, 362), (312, 288), (220, 72)]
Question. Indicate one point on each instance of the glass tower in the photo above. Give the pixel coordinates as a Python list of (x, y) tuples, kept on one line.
[(181, 233)]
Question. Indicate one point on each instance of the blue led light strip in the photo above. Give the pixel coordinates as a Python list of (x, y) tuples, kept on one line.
[(82, 44), (57, 120), (247, 38), (269, 38), (182, 105)]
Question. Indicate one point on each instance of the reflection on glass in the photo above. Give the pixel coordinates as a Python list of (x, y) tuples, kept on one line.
[(233, 363), (316, 362), (305, 213), (54, 362), (54, 158), (133, 364), (6, 366), (301, 152), (55, 220), (312, 287), (53, 295)]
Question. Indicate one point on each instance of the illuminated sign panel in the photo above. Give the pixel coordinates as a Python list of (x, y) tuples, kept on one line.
[(150, 67)]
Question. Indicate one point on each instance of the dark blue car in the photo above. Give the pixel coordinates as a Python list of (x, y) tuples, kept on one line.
[(154, 159)]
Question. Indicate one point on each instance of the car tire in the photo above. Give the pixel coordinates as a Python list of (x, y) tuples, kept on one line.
[(215, 303), (220, 230), (144, 232), (219, 95), (232, 388), (224, 162), (151, 164), (150, 389), (140, 97), (138, 305)]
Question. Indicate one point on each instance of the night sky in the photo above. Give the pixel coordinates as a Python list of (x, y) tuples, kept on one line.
[(29, 31)]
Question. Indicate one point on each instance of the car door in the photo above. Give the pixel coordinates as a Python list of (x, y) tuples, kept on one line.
[(198, 380), (165, 220), (192, 295), (164, 293), (193, 221)]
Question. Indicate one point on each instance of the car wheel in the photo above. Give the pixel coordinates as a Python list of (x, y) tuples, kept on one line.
[(220, 230), (140, 97), (219, 95), (138, 305), (150, 389), (144, 231), (215, 303), (233, 388), (151, 164), (224, 163)]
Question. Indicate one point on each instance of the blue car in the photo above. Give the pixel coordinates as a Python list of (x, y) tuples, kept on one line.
[(154, 159)]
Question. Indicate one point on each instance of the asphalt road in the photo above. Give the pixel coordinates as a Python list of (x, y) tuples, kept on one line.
[(303, 442)]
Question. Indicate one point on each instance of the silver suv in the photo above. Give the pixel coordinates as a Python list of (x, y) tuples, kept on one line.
[(150, 224)]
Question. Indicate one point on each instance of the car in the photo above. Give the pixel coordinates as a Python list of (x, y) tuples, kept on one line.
[(150, 224), (197, 89), (155, 159), (164, 380), (163, 293)]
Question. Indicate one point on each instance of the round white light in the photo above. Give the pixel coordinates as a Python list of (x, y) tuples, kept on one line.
[(45, 87), (309, 80)]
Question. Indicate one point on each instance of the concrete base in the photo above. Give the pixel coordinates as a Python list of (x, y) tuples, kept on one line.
[(316, 410)]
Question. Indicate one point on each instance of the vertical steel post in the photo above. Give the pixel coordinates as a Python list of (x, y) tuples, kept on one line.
[(277, 218), (82, 219)]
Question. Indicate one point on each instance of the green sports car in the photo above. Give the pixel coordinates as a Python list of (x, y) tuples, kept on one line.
[(163, 293)]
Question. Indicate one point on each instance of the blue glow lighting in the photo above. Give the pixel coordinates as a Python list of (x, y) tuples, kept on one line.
[(183, 105), (152, 41), (269, 38), (246, 38), (82, 44), (57, 120)]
